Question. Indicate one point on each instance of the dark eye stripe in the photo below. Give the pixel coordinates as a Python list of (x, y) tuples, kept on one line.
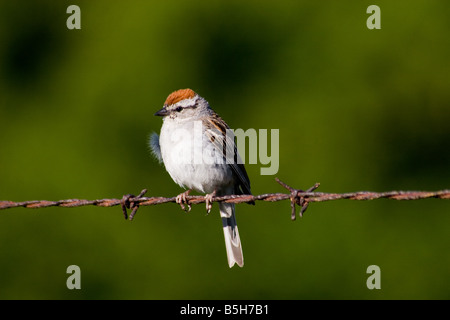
[(179, 109)]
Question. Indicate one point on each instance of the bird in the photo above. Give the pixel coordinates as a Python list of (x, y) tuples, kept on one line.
[(198, 150)]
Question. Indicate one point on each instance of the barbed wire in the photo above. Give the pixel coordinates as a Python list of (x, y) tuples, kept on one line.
[(296, 196)]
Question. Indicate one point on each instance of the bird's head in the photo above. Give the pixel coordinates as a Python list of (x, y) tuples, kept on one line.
[(183, 104)]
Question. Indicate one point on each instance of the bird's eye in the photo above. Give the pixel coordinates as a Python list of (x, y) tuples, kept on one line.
[(178, 109)]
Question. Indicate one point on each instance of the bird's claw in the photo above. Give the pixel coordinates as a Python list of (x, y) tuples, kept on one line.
[(181, 200), (208, 201)]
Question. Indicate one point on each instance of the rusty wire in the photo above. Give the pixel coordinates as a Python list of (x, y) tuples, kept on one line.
[(296, 197)]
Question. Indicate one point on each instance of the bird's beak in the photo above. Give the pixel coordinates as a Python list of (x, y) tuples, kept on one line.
[(162, 113)]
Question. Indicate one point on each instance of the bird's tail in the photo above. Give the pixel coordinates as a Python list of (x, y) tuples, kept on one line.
[(231, 234)]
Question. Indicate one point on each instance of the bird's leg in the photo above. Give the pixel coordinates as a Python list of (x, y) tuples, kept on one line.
[(208, 201), (181, 200)]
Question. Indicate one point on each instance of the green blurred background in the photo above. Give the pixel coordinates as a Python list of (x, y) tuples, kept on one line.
[(357, 109)]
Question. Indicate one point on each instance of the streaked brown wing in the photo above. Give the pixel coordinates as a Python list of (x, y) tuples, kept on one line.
[(223, 139)]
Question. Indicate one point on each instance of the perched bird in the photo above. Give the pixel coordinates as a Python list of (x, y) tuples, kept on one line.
[(198, 150)]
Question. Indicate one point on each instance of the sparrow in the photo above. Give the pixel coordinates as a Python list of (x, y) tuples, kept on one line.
[(198, 150)]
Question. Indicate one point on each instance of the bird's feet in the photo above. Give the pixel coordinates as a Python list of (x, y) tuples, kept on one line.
[(181, 200), (208, 201)]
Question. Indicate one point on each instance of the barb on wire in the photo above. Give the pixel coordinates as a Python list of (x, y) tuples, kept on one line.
[(296, 197)]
